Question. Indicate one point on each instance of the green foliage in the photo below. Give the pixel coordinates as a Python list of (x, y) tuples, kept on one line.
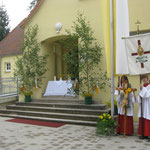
[(84, 55), (26, 93), (106, 125), (70, 43), (4, 22), (31, 67)]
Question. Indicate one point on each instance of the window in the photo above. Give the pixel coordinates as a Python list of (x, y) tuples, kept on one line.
[(8, 67)]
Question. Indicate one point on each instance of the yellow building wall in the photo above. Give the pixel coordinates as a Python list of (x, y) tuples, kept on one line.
[(139, 10), (65, 11), (11, 86), (8, 59)]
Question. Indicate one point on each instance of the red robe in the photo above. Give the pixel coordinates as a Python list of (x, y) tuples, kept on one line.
[(129, 116), (129, 125)]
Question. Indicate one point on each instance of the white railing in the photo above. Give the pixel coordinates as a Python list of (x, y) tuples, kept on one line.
[(8, 87)]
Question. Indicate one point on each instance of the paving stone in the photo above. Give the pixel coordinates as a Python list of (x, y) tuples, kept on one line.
[(121, 147), (133, 147), (73, 147), (68, 137), (137, 141), (147, 144), (33, 144), (101, 145)]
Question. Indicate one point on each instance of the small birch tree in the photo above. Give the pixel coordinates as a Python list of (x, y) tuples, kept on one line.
[(89, 56), (31, 66)]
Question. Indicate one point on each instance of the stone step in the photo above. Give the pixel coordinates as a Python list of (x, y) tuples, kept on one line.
[(52, 115), (62, 105), (60, 97), (63, 100), (57, 110), (75, 122)]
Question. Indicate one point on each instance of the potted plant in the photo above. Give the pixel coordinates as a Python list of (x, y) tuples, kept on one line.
[(26, 93), (106, 125), (28, 96), (88, 98), (83, 57), (31, 66)]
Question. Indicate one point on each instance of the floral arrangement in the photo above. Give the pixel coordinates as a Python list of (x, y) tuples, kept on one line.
[(125, 102), (125, 93), (76, 86), (25, 92), (105, 124), (87, 94), (128, 91)]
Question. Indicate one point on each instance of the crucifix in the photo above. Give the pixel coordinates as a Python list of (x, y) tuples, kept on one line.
[(125, 103), (138, 25)]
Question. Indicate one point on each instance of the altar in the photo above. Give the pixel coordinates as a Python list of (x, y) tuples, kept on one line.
[(60, 87)]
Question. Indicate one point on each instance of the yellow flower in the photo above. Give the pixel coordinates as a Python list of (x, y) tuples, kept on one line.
[(129, 90), (109, 117), (104, 114), (101, 117)]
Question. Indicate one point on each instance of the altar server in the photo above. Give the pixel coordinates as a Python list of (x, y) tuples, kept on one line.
[(144, 111), (129, 114)]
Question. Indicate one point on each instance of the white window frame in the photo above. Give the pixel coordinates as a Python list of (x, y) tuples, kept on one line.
[(7, 66)]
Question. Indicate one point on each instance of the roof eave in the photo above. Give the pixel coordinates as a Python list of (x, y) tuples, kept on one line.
[(35, 9)]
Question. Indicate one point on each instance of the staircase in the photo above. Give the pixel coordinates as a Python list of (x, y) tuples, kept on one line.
[(58, 109)]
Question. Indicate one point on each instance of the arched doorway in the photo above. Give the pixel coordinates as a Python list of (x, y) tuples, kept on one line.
[(61, 57), (57, 65)]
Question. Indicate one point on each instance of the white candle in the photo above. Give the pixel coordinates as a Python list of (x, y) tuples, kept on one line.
[(54, 78)]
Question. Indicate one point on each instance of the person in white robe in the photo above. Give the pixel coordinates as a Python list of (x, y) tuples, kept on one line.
[(130, 109), (144, 118)]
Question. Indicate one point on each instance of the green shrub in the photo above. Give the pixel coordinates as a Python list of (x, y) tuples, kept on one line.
[(106, 125)]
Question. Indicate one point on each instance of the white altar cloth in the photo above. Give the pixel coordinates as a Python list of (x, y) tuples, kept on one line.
[(58, 88)]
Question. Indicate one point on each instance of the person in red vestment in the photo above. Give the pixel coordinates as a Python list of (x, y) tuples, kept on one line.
[(144, 101), (129, 117)]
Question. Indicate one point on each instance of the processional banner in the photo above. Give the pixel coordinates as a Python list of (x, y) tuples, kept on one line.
[(138, 54)]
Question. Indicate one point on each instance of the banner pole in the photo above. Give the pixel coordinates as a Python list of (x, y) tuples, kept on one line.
[(142, 120), (125, 120), (112, 58)]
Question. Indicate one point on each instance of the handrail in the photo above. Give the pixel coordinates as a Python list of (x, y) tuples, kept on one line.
[(8, 86)]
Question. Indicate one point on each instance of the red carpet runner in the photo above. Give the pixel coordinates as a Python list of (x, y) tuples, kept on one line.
[(35, 122)]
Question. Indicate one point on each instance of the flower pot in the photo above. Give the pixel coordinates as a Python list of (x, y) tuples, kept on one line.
[(27, 98), (88, 100)]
